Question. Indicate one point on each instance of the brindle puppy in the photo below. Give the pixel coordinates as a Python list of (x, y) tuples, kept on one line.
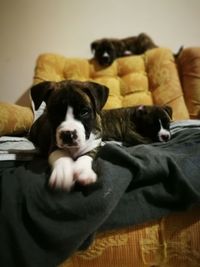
[(137, 125), (108, 49)]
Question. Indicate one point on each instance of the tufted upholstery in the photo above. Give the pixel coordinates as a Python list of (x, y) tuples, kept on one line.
[(151, 78)]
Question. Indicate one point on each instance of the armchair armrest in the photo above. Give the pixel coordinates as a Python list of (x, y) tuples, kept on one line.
[(189, 71), (14, 119)]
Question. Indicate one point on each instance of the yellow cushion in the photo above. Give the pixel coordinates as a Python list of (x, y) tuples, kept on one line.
[(146, 79), (189, 68), (164, 81), (14, 119)]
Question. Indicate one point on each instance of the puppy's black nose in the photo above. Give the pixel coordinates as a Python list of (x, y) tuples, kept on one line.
[(165, 137), (68, 137)]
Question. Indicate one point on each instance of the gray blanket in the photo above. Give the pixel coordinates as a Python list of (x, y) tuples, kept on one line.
[(138, 184)]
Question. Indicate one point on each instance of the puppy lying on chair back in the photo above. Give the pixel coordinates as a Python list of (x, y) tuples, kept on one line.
[(73, 125), (106, 50)]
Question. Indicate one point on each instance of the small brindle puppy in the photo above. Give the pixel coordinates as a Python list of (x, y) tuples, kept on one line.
[(108, 49)]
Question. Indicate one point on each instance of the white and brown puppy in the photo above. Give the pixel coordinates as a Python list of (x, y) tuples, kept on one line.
[(69, 130)]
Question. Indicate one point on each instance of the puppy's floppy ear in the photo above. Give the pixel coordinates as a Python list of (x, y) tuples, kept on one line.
[(93, 46), (169, 110), (143, 43), (41, 92), (98, 94)]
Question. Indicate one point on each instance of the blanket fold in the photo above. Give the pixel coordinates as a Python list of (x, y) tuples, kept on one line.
[(40, 227)]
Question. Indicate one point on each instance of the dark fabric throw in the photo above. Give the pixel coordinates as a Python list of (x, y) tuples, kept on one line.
[(40, 227)]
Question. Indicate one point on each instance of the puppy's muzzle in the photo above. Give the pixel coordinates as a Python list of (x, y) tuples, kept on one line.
[(69, 137), (165, 136), (105, 59)]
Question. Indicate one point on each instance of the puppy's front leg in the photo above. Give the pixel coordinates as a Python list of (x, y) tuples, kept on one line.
[(83, 172), (62, 170)]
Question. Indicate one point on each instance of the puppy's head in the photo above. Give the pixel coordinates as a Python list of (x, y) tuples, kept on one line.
[(71, 108), (104, 52), (153, 122)]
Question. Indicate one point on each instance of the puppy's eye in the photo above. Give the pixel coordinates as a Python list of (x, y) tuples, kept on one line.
[(166, 124), (85, 112)]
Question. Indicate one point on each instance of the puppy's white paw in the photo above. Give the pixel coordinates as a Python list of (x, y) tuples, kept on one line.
[(62, 174), (83, 172)]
